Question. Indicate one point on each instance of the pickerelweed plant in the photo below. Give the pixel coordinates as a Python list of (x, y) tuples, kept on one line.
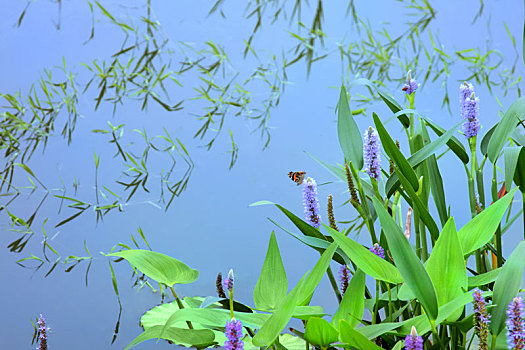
[(425, 283)]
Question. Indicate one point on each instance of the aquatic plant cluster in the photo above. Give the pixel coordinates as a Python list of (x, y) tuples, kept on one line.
[(424, 281)]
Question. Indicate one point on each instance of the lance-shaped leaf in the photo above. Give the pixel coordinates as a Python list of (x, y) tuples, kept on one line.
[(511, 156), (506, 287), (408, 264), (367, 261), (348, 132), (159, 267), (352, 305), (446, 267), (348, 335), (479, 231), (395, 154), (454, 144), (320, 333), (506, 126), (272, 284)]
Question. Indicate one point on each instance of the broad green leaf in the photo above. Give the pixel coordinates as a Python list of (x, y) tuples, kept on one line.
[(320, 333), (506, 126), (446, 267), (483, 279), (506, 287), (454, 144), (348, 335), (395, 154), (408, 264), (272, 284), (352, 305), (348, 132), (159, 267), (479, 231), (279, 319), (191, 337), (511, 156), (367, 261)]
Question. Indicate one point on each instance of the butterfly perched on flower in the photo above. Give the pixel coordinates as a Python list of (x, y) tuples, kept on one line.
[(297, 176)]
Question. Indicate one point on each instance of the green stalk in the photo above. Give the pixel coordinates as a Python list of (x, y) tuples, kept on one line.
[(231, 303), (418, 234), (523, 206), (389, 302), (479, 181), (333, 282), (179, 303), (376, 306), (423, 241)]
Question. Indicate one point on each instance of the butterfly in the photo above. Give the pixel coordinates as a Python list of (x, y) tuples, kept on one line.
[(297, 176)]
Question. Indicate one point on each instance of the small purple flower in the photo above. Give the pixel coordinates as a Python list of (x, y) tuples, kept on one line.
[(465, 91), (42, 329), (411, 84), (311, 202), (371, 153), (234, 334), (516, 324), (228, 282), (344, 276), (481, 319), (413, 341), (378, 250)]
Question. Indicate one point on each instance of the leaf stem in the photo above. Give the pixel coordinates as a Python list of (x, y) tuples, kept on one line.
[(181, 306)]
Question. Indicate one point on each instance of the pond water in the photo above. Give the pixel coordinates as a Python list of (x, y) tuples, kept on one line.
[(210, 226)]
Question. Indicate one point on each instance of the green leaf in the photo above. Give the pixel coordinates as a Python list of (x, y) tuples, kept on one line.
[(348, 132), (506, 126), (484, 147), (395, 154), (367, 261), (352, 305), (408, 264), (479, 231), (417, 158), (394, 107), (193, 337), (519, 175), (511, 156), (279, 319), (375, 330), (272, 284), (320, 333), (483, 279), (506, 287), (454, 144), (348, 335), (446, 267), (159, 267)]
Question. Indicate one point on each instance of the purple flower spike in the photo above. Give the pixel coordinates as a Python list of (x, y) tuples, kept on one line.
[(42, 329), (465, 91), (344, 275), (413, 341), (516, 324), (228, 282), (234, 334), (311, 202), (471, 114), (411, 84), (481, 319), (378, 250), (371, 153)]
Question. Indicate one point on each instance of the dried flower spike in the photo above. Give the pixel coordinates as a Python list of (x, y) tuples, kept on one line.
[(481, 319), (351, 187), (411, 84), (331, 217), (311, 202), (516, 324), (344, 276), (371, 153), (218, 284), (413, 341), (233, 334)]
